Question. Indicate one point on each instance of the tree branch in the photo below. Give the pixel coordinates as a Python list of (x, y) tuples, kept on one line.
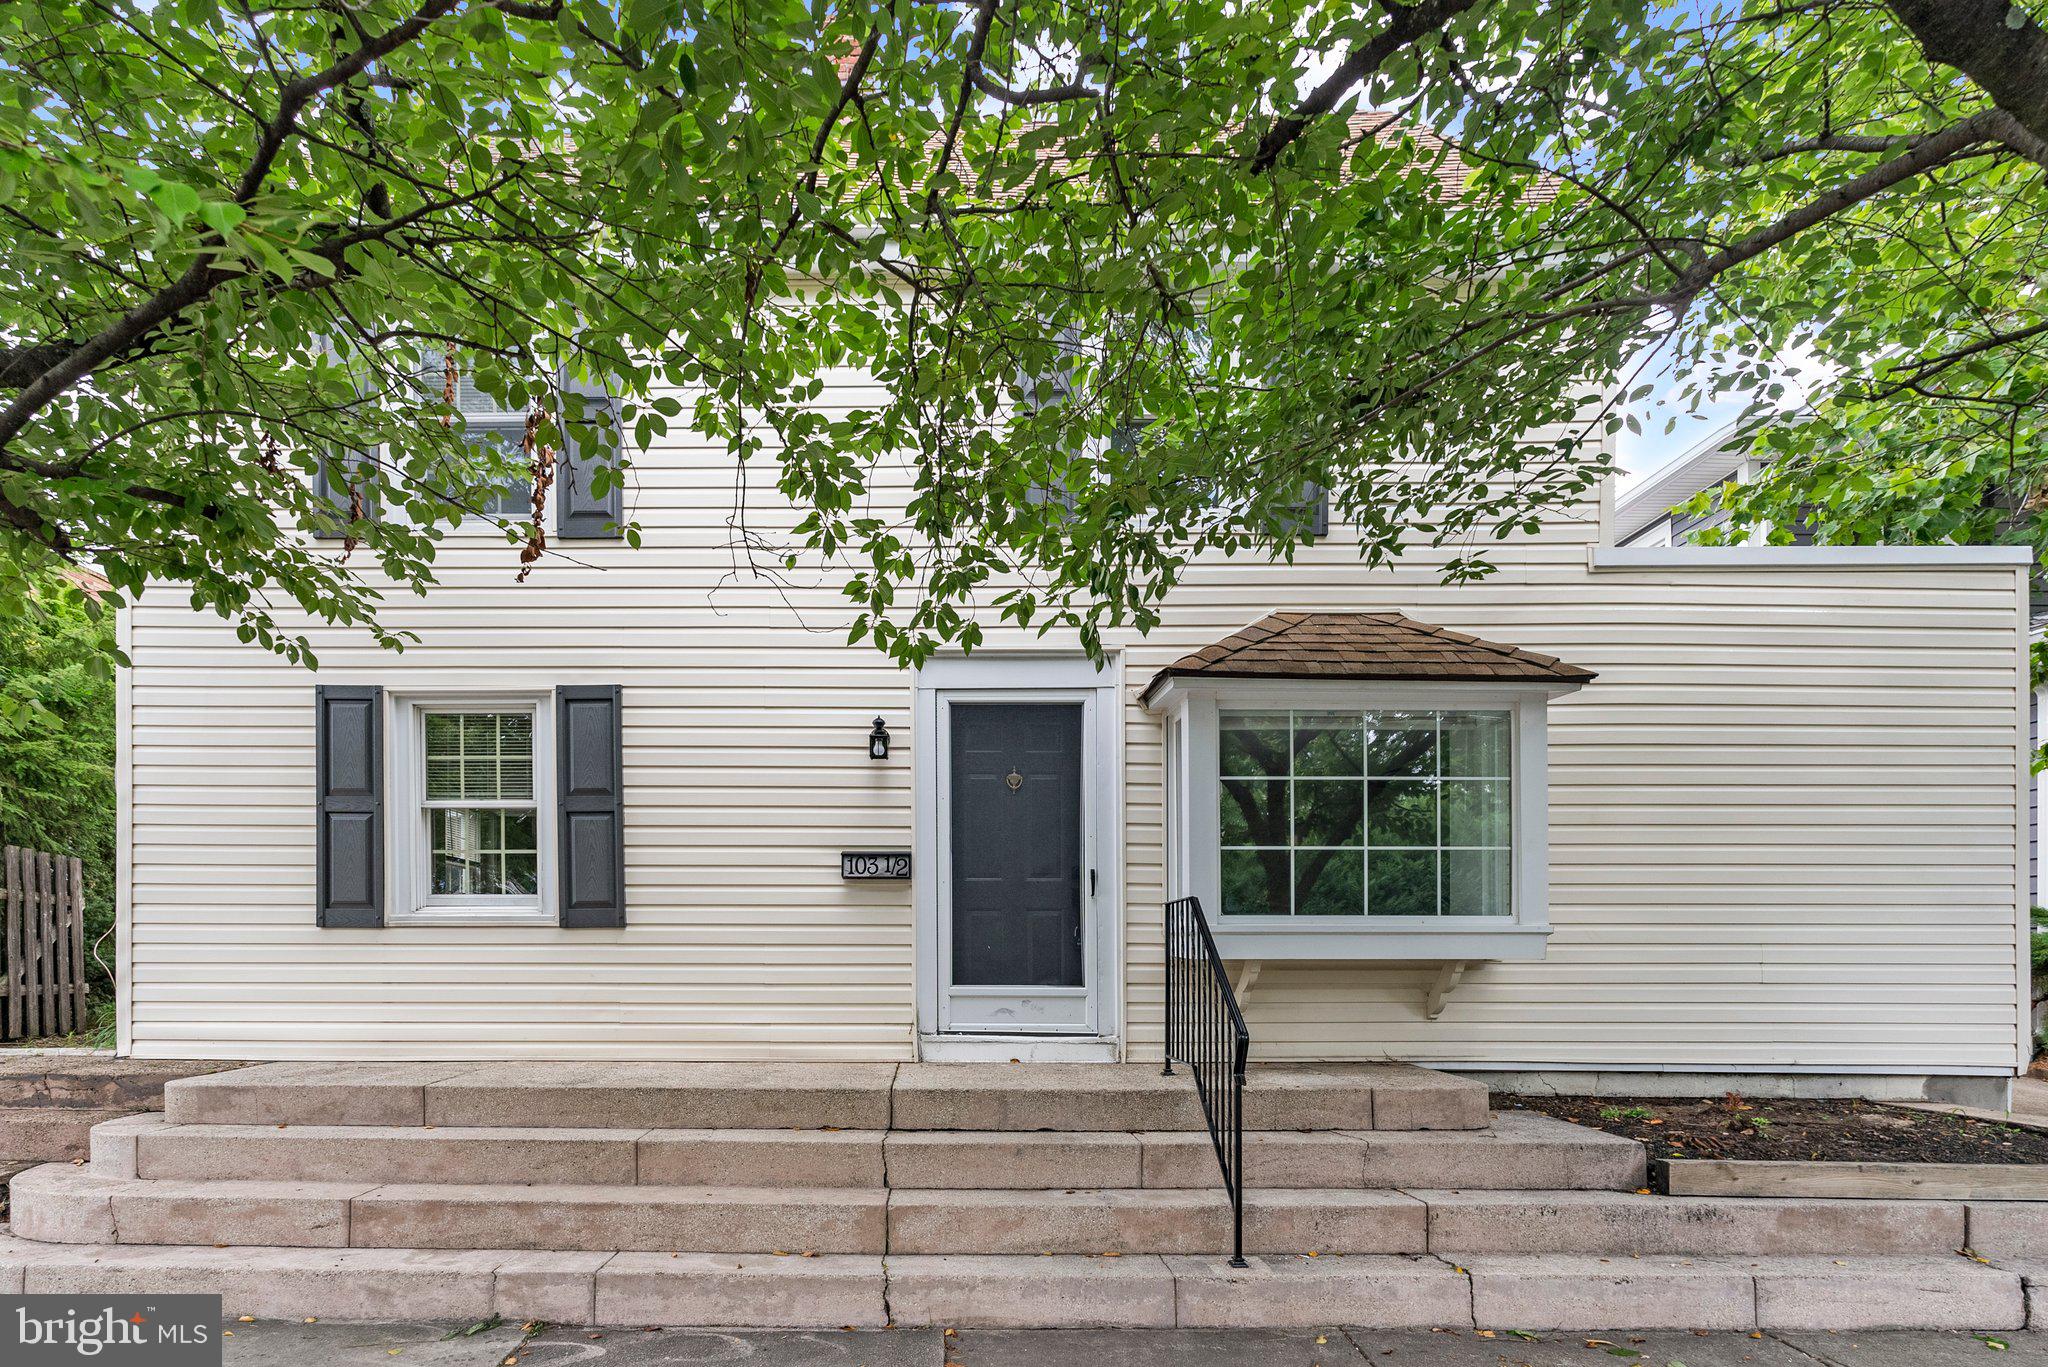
[(977, 44), (1407, 26), (1925, 155), (201, 277), (1076, 89)]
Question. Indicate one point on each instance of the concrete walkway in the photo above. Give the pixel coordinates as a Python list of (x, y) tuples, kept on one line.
[(290, 1344)]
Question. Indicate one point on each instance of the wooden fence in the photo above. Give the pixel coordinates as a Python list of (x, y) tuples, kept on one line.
[(45, 948)]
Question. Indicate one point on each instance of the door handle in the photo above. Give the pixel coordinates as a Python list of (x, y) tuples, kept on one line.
[(1091, 882)]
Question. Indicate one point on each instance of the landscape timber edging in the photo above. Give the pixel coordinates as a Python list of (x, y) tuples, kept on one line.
[(1872, 1181)]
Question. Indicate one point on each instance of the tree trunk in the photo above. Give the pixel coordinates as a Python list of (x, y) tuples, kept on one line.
[(1994, 43)]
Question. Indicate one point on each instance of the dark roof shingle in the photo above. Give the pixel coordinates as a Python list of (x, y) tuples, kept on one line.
[(1363, 645)]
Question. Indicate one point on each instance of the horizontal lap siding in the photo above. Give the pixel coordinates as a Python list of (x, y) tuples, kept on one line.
[(1782, 821), (1782, 829)]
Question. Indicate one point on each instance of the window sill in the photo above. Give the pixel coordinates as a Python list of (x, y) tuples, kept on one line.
[(1384, 943), (416, 919)]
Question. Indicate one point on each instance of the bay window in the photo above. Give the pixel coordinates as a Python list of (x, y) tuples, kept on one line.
[(1355, 813), (1370, 821)]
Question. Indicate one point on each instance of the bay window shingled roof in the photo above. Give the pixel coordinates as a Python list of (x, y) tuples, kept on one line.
[(1384, 646)]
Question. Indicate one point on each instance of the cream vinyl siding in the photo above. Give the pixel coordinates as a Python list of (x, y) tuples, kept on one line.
[(1784, 822)]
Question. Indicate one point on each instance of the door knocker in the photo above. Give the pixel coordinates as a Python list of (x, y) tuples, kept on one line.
[(1014, 780)]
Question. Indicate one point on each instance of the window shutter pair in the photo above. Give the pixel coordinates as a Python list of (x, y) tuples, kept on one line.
[(589, 805), (591, 441)]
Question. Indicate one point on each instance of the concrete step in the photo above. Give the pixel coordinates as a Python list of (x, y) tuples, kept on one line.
[(64, 1204), (1626, 1223), (2010, 1229), (834, 1291), (48, 1134), (1522, 1150), (67, 1204), (1002, 1097), (542, 1095), (1165, 1221), (996, 1096)]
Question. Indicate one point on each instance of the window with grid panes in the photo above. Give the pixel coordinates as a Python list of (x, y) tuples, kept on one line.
[(478, 793), (1365, 813)]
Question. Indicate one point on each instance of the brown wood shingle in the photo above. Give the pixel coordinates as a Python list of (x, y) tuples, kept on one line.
[(1363, 645)]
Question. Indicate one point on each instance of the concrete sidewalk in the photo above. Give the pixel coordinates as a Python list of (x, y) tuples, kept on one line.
[(272, 1344)]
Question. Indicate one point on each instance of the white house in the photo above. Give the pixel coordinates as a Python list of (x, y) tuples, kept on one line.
[(1673, 813)]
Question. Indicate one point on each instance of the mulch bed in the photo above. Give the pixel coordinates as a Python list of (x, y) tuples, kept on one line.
[(1787, 1130)]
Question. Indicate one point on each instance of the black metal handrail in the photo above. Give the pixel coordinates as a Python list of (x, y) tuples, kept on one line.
[(1205, 1030)]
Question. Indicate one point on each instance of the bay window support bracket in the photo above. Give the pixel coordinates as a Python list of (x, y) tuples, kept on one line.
[(1448, 976), (1247, 978)]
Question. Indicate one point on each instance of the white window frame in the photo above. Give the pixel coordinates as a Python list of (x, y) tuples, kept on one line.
[(411, 901), (475, 525), (1191, 708)]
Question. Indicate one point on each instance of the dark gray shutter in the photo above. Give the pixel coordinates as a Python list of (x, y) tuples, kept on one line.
[(590, 795), (591, 439), (338, 468), (348, 737), (1311, 514)]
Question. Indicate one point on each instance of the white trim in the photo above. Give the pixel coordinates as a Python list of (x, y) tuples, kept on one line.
[(1020, 1048), (2023, 781), (1710, 1070), (1381, 939), (1192, 706), (1611, 558), (407, 902), (124, 836), (991, 677)]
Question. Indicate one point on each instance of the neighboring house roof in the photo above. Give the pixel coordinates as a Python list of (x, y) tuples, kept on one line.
[(1362, 645), (1704, 464), (89, 582)]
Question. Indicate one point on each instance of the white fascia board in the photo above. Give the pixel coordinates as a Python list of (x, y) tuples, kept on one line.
[(1265, 690), (1684, 558)]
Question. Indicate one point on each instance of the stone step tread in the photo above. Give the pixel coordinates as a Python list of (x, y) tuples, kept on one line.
[(1605, 1222), (811, 1095), (65, 1204), (49, 1133), (1520, 1149), (738, 1290)]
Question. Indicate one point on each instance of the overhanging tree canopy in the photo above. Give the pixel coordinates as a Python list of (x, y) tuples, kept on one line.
[(1150, 255)]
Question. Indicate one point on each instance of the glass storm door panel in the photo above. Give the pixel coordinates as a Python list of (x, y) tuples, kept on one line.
[(1016, 957)]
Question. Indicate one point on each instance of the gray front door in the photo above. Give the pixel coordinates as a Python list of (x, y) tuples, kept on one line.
[(1016, 914)]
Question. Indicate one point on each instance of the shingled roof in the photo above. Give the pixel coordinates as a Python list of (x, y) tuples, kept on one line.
[(1363, 645)]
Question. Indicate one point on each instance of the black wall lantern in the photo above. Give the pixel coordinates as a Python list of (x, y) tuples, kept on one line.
[(878, 741)]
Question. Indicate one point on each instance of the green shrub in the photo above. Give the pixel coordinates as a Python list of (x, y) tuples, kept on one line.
[(57, 743)]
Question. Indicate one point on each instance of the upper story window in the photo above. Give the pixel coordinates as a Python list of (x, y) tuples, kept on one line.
[(488, 422)]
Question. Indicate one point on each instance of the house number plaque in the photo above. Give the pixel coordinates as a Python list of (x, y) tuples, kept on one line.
[(874, 863)]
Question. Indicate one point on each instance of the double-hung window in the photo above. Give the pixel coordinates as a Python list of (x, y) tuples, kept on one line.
[(474, 822), (488, 423)]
